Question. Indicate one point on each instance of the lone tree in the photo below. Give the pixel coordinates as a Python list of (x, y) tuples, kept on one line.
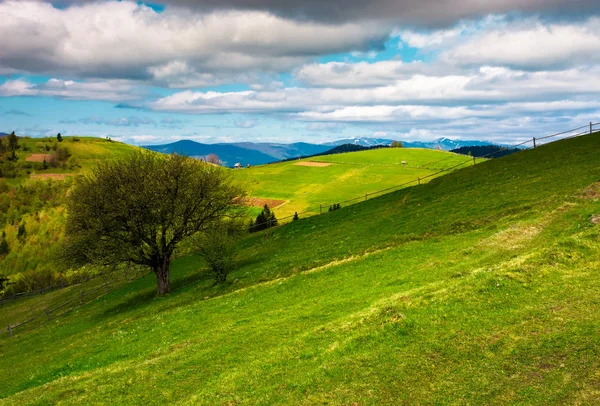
[(13, 142), (213, 159), (59, 137), (140, 208), (397, 144)]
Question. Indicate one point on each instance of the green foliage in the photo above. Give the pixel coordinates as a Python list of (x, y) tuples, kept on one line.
[(265, 219), (4, 248), (22, 232), (335, 206), (397, 144), (140, 208), (217, 248), (13, 142), (296, 217), (59, 137)]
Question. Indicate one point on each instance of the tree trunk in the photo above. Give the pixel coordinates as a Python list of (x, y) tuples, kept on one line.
[(161, 270)]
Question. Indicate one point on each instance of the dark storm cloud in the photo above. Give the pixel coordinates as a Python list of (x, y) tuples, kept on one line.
[(409, 12)]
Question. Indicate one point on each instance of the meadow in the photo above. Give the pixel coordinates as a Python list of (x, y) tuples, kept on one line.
[(34, 199), (477, 287), (302, 188)]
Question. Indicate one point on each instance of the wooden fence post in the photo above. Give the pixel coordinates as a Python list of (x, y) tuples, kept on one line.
[(534, 142), (474, 161), (366, 196), (419, 180), (10, 330), (591, 125)]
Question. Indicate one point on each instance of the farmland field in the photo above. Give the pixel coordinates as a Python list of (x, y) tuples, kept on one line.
[(324, 180)]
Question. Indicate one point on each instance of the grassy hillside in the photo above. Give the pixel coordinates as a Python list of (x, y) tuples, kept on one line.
[(347, 176), (479, 287), (33, 201)]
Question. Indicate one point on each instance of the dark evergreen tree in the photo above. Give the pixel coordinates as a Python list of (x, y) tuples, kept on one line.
[(13, 142), (59, 137), (22, 232), (265, 219), (296, 216), (4, 248)]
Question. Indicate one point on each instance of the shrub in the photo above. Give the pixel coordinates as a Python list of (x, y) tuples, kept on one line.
[(217, 248), (296, 217), (335, 206)]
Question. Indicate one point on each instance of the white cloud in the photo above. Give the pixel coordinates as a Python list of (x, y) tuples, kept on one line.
[(531, 44), (245, 123), (108, 90), (176, 47)]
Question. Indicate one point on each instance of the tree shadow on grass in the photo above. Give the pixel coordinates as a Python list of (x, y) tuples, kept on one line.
[(146, 295)]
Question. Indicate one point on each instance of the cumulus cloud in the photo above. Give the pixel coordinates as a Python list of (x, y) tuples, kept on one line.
[(176, 47), (413, 12), (108, 90), (531, 44), (485, 85)]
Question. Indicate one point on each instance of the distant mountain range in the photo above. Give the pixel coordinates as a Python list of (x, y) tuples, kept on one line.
[(3, 135), (262, 153)]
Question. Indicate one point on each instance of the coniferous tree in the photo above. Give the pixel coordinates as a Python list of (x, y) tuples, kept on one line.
[(22, 232), (4, 248), (13, 142), (59, 137), (265, 219), (296, 216)]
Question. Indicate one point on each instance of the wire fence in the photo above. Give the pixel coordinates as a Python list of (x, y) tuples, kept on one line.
[(65, 306), (527, 144), (84, 296)]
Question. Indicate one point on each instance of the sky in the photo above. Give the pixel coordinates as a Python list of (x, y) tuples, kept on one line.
[(289, 70)]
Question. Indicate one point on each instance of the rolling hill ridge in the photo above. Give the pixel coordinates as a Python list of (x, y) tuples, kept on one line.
[(479, 286)]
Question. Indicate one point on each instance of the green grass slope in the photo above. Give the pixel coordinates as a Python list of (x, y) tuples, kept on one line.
[(349, 176), (479, 287), (38, 204)]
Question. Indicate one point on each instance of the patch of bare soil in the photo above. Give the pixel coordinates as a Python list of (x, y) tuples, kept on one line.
[(596, 219), (259, 202), (592, 192), (39, 158), (53, 176), (315, 164)]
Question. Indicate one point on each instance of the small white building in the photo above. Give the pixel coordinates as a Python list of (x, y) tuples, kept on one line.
[(237, 166)]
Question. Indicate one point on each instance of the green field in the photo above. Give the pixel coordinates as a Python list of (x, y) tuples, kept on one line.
[(480, 287), (350, 176)]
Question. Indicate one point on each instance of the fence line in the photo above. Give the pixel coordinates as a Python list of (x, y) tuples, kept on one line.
[(533, 141), (48, 312), (47, 316)]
